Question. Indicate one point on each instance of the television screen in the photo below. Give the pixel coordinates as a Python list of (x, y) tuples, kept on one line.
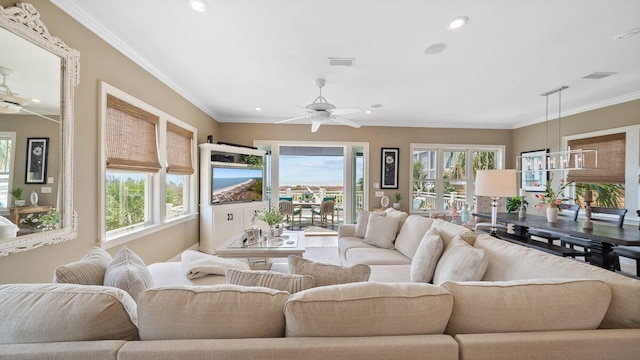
[(235, 185)]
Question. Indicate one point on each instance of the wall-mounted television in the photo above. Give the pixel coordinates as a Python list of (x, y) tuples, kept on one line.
[(233, 184)]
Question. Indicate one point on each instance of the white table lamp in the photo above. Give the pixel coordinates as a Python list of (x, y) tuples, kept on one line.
[(496, 184)]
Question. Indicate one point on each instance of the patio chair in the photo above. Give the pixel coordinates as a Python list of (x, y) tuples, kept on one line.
[(327, 207), (287, 209)]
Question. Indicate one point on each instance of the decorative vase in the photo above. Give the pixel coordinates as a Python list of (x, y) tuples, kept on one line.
[(522, 213), (20, 202), (552, 214), (396, 205)]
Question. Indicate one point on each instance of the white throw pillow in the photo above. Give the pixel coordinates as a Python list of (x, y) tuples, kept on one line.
[(426, 258), (460, 262), (328, 274), (361, 224), (88, 271), (411, 233), (381, 231), (397, 214), (129, 273)]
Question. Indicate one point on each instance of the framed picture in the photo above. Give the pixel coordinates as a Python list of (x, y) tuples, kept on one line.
[(36, 167), (389, 176), (534, 170)]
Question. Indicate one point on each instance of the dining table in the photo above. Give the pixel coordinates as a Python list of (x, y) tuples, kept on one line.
[(603, 237)]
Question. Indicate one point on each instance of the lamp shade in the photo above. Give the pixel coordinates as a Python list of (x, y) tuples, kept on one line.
[(496, 183)]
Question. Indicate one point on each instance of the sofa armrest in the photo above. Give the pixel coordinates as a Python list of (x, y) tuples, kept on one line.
[(346, 230)]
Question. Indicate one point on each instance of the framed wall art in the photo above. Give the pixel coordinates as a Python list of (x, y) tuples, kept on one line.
[(36, 167), (534, 170), (389, 176)]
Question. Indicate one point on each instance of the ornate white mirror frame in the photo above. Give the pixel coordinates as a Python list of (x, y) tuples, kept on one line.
[(24, 21)]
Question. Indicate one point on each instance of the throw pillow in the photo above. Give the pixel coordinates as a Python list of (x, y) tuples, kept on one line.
[(129, 273), (426, 257), (326, 274), (381, 231), (88, 271), (401, 216), (411, 234), (460, 262), (361, 224), (291, 283)]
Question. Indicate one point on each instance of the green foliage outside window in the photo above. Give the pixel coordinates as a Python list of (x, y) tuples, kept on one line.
[(124, 202)]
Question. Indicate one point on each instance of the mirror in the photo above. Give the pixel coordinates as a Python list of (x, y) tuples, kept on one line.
[(38, 73)]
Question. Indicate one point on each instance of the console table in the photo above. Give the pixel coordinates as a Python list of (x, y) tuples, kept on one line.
[(17, 211)]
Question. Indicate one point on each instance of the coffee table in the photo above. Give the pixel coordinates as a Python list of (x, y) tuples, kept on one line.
[(259, 255)]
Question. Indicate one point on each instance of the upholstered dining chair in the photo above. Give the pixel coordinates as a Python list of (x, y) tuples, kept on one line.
[(326, 208), (631, 252), (568, 210), (287, 209)]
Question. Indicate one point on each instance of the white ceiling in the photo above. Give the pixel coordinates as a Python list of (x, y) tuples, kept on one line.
[(243, 54)]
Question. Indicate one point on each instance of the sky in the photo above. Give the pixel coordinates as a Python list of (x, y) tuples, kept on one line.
[(313, 170)]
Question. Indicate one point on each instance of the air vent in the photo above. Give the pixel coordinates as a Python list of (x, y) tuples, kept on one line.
[(598, 75), (341, 62)]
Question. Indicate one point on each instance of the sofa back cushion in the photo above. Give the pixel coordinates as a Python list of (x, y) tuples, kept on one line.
[(40, 313), (514, 262), (211, 312), (449, 230), (381, 231), (128, 272), (89, 270), (411, 234), (527, 305), (328, 274), (290, 283), (401, 216), (368, 309)]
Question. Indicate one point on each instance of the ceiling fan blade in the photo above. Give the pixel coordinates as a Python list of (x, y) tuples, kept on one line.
[(343, 111), (315, 126), (42, 116), (295, 118), (343, 121), (303, 108)]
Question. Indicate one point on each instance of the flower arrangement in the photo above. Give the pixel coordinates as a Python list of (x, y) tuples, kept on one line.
[(271, 217), (50, 221), (551, 197), (31, 221)]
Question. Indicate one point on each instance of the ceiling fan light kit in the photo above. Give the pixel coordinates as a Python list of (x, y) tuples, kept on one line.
[(320, 111), (9, 103)]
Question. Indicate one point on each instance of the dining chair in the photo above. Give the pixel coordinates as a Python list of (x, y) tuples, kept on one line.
[(601, 215), (631, 252), (327, 207), (287, 209), (569, 211)]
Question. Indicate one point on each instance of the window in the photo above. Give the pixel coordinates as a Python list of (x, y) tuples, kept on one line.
[(7, 151), (149, 177), (443, 175)]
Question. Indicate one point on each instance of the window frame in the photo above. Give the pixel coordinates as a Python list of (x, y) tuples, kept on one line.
[(10, 135), (469, 182), (155, 192)]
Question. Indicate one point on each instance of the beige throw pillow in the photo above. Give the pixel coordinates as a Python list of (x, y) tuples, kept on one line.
[(460, 262), (326, 274), (88, 271), (291, 283), (411, 233), (361, 224), (129, 273), (381, 231), (426, 257)]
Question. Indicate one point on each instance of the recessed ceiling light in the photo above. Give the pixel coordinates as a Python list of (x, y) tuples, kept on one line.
[(458, 22), (258, 108), (369, 112), (198, 5), (627, 34), (435, 49)]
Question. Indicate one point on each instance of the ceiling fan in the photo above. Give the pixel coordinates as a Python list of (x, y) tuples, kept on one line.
[(9, 102), (320, 112)]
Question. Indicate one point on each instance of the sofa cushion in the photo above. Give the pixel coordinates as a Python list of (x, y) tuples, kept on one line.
[(368, 309), (426, 258), (40, 313), (290, 283), (460, 262), (527, 305), (390, 273), (514, 262), (128, 272), (376, 256), (347, 243), (381, 231), (211, 312), (401, 216), (327, 274), (449, 230), (411, 234), (88, 271)]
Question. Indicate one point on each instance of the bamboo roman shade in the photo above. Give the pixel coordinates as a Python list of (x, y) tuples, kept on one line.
[(179, 150), (611, 159), (130, 137)]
